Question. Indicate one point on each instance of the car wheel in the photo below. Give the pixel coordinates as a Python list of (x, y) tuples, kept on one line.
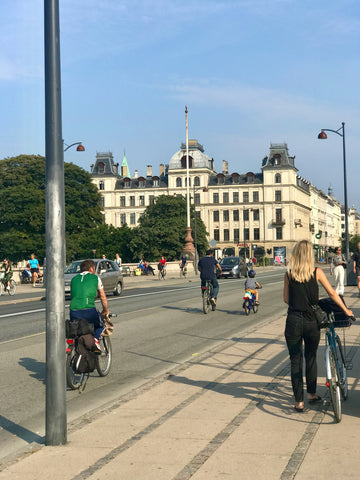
[(118, 289)]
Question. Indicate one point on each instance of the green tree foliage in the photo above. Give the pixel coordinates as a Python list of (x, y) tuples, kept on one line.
[(162, 230), (22, 206)]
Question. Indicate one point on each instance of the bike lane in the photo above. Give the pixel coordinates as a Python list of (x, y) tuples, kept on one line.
[(228, 413)]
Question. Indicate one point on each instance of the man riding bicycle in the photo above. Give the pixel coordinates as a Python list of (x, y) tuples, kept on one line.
[(183, 262), (84, 288), (7, 273), (206, 267)]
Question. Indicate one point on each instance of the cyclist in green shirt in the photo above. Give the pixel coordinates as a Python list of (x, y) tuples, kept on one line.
[(84, 288), (7, 273)]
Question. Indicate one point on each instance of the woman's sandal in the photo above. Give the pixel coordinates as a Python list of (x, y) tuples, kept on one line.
[(299, 409), (315, 399)]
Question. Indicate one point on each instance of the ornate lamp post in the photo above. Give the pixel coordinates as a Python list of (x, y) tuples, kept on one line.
[(189, 248), (322, 136), (80, 147)]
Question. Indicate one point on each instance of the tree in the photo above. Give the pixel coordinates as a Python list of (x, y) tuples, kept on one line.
[(162, 230), (22, 206)]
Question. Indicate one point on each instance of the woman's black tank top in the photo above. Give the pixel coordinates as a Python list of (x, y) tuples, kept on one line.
[(301, 295)]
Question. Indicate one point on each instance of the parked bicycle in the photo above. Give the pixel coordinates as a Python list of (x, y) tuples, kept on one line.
[(335, 363), (102, 361), (3, 285), (250, 302), (207, 294)]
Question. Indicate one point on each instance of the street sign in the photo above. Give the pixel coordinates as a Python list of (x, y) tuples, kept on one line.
[(212, 243)]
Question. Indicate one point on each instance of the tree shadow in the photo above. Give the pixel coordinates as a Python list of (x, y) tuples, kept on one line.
[(37, 368), (19, 431)]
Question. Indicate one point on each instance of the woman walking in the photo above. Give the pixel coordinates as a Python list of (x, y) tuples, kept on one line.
[(301, 290), (337, 267)]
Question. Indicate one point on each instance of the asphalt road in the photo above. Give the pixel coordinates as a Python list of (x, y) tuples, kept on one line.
[(157, 328)]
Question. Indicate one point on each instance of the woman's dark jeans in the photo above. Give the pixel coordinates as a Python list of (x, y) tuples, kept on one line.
[(299, 327)]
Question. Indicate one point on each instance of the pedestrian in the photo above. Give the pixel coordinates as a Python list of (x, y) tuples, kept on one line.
[(118, 261), (356, 267), (337, 267), (34, 268), (301, 291)]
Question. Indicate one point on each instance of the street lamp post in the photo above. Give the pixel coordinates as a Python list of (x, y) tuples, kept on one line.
[(322, 136), (189, 245), (80, 146), (204, 189)]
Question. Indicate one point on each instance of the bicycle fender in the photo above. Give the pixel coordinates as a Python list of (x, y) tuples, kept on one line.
[(327, 364)]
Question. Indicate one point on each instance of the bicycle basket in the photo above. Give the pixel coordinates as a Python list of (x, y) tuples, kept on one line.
[(342, 322)]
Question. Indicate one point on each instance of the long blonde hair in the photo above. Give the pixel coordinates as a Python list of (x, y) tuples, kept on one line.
[(301, 263)]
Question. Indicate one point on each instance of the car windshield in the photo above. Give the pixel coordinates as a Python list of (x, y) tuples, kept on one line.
[(74, 267), (230, 261)]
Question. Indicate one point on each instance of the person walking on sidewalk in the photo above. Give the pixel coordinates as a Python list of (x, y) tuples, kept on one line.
[(301, 290), (356, 267), (337, 267), (34, 266)]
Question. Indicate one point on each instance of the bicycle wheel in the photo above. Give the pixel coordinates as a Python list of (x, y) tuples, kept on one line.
[(12, 287), (247, 307), (103, 361), (333, 384), (206, 301), (159, 275), (1, 288), (255, 307), (342, 370), (73, 380)]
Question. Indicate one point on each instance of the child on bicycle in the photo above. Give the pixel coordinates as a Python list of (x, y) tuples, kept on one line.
[(251, 285)]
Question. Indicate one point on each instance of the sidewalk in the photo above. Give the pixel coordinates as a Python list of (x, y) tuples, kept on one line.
[(227, 414)]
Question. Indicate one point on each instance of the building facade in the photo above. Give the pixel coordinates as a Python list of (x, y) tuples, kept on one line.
[(264, 212)]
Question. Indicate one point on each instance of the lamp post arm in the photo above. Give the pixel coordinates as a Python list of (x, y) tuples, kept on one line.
[(336, 131), (69, 146)]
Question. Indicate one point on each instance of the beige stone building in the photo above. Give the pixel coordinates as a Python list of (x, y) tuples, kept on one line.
[(266, 211)]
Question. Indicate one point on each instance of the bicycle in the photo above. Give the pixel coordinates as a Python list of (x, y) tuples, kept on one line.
[(103, 361), (162, 273), (335, 363), (249, 302), (3, 285), (207, 294), (183, 271)]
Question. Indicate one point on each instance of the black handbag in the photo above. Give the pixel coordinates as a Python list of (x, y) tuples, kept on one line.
[(320, 316)]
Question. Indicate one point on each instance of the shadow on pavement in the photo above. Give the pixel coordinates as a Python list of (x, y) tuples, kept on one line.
[(32, 365), (19, 431)]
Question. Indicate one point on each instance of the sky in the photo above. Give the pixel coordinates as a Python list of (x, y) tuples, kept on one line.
[(252, 73)]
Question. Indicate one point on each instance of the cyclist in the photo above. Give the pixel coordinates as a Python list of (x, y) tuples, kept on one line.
[(206, 267), (7, 273), (251, 285), (183, 262), (84, 288), (162, 264)]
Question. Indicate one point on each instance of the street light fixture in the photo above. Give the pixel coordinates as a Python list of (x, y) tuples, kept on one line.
[(80, 147), (204, 189), (322, 136)]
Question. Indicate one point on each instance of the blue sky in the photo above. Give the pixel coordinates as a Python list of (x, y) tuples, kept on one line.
[(252, 72)]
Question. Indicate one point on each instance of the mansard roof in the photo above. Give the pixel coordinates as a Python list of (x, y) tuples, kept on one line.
[(134, 183), (279, 157), (236, 179), (104, 165)]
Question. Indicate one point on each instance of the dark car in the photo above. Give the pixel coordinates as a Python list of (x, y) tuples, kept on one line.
[(234, 267), (107, 270)]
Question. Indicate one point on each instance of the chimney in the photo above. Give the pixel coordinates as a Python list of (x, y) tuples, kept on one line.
[(162, 169), (225, 167), (149, 170), (123, 171), (136, 174)]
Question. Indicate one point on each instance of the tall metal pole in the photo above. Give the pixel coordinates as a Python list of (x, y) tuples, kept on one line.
[(55, 233), (345, 198), (195, 238), (187, 169)]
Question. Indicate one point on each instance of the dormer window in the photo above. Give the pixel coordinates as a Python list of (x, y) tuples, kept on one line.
[(220, 179), (101, 167), (127, 183), (250, 177), (277, 159), (235, 178), (278, 178), (183, 162), (141, 182), (156, 182)]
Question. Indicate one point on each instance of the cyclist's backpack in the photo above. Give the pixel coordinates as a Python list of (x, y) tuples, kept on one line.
[(84, 360)]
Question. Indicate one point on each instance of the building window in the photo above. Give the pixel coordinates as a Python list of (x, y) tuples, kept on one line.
[(255, 196), (101, 185), (142, 183), (225, 197), (278, 233), (101, 167), (246, 215), (256, 233), (226, 235), (278, 215), (197, 199), (246, 234), (256, 214), (142, 200), (102, 202), (216, 215), (277, 178), (127, 183), (151, 200), (186, 182), (236, 235), (156, 182), (132, 201), (220, 179), (236, 197), (178, 182), (245, 196), (226, 215), (123, 218), (197, 182), (236, 215), (183, 162), (277, 195), (216, 234), (132, 219), (122, 201), (277, 159), (215, 198)]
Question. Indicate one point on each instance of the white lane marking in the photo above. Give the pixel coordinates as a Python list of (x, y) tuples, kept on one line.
[(22, 338), (22, 313)]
